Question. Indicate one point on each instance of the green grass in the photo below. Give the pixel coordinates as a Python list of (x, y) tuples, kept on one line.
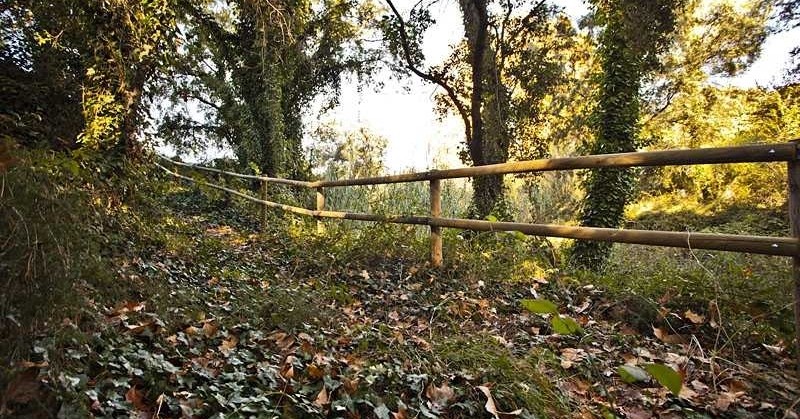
[(520, 382), (743, 287)]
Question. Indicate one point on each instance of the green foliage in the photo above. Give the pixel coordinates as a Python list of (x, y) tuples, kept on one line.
[(789, 18), (64, 219), (497, 80), (565, 325), (253, 70), (644, 280), (631, 374), (347, 155), (666, 376), (667, 50), (561, 325), (52, 54), (515, 378), (722, 117), (540, 306)]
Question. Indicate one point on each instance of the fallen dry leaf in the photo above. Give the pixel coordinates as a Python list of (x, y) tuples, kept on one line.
[(630, 359), (665, 337), (422, 343), (736, 386), (713, 313), (687, 393), (577, 386), (637, 413), (136, 398), (283, 340), (694, 317), (350, 386), (228, 344), (287, 371), (210, 329), (322, 398), (126, 307), (627, 330), (142, 327), (491, 407), (23, 388), (402, 413), (30, 364), (724, 401), (570, 356), (773, 349), (699, 386), (315, 372), (439, 396)]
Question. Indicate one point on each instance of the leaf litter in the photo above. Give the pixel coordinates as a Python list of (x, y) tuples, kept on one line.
[(262, 330)]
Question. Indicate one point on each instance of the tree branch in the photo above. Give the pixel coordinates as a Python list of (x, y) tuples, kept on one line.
[(430, 77)]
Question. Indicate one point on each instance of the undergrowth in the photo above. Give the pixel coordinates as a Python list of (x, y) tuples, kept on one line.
[(180, 293)]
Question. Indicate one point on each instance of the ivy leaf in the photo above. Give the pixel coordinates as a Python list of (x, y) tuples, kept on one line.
[(666, 376), (540, 306), (565, 325), (631, 374)]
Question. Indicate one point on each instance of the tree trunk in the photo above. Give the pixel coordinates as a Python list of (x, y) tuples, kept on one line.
[(489, 107), (608, 191)]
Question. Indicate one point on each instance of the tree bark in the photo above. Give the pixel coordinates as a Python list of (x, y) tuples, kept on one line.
[(489, 107)]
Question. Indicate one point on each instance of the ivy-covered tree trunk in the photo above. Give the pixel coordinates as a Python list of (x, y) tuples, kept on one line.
[(635, 33), (616, 119), (135, 41)]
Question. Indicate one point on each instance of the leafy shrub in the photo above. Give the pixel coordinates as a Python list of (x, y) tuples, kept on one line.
[(64, 218)]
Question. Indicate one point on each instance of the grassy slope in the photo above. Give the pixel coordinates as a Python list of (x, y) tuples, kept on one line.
[(203, 314)]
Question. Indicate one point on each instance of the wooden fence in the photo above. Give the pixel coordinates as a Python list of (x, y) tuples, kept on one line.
[(779, 246)]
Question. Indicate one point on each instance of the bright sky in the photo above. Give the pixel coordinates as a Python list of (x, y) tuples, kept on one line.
[(403, 112)]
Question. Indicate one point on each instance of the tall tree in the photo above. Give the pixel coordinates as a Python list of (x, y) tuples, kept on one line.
[(634, 33), (494, 79), (788, 19), (253, 67), (668, 50)]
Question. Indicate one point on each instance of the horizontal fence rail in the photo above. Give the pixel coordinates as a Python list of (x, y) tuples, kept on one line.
[(290, 182), (779, 246), (741, 154)]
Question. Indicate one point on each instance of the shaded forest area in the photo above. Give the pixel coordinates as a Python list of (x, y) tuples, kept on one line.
[(129, 294)]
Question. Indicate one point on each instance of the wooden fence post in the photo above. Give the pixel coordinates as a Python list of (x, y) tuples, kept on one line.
[(263, 206), (320, 207), (436, 232), (794, 225)]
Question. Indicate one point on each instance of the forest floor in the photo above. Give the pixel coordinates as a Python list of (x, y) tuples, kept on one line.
[(225, 321)]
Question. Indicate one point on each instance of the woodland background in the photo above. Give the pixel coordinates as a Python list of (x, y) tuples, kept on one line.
[(125, 292)]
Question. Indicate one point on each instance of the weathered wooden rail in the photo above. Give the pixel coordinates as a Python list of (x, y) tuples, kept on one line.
[(778, 246)]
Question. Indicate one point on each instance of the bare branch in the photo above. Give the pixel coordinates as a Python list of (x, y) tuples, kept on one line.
[(437, 79)]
